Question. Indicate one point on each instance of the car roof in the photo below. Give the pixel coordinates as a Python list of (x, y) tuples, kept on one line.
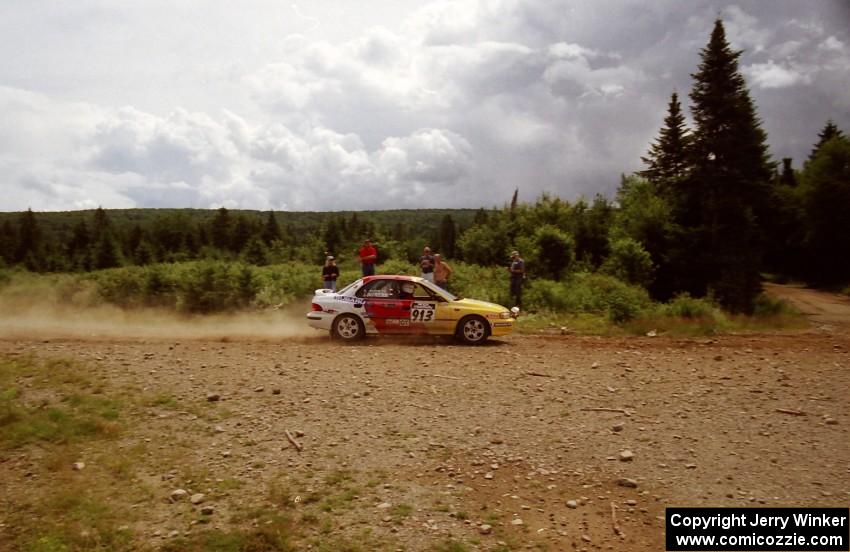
[(400, 277)]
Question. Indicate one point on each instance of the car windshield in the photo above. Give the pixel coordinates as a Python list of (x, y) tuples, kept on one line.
[(444, 293)]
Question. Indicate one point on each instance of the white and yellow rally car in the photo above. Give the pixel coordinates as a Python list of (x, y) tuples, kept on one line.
[(406, 305)]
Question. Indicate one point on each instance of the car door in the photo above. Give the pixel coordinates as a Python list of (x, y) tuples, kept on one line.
[(427, 314), (383, 306)]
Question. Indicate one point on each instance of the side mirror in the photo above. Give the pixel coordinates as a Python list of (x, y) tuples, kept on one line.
[(515, 312)]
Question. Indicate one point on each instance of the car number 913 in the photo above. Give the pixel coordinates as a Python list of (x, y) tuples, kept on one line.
[(423, 313)]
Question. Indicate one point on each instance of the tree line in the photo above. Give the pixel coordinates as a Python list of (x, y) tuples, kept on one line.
[(100, 238), (709, 214)]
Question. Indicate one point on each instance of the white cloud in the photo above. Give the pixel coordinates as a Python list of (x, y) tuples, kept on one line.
[(772, 75), (454, 104)]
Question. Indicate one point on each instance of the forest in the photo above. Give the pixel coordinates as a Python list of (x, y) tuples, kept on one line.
[(708, 218)]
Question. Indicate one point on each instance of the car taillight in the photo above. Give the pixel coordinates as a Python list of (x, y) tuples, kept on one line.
[(316, 306)]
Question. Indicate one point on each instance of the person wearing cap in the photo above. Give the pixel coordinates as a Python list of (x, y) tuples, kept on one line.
[(330, 272), (517, 270), (368, 255), (426, 264)]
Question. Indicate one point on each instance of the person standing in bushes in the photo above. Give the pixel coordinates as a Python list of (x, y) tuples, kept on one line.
[(517, 270), (426, 264), (330, 273), (368, 255), (442, 271)]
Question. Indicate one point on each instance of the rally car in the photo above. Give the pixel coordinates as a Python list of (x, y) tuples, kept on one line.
[(406, 305)]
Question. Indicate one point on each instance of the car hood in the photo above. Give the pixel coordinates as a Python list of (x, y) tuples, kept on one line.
[(476, 304)]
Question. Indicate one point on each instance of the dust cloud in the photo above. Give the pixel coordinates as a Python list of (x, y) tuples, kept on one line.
[(43, 318)]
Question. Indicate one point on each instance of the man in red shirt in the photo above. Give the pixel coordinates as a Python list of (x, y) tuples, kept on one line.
[(368, 255)]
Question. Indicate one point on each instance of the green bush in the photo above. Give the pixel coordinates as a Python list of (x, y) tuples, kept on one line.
[(398, 266), (685, 306), (629, 262), (766, 305), (588, 293)]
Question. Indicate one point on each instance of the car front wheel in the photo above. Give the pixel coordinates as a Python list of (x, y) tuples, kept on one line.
[(348, 328), (473, 330)]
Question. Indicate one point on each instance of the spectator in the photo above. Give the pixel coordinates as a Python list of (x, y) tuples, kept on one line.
[(426, 264), (330, 273), (517, 270), (442, 271), (368, 255)]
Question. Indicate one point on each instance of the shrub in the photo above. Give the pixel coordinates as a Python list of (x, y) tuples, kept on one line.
[(766, 305), (398, 266), (630, 262), (588, 293), (555, 251), (685, 306)]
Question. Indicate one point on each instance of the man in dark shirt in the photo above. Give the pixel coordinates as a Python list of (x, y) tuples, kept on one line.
[(426, 264), (517, 270), (368, 255), (330, 273)]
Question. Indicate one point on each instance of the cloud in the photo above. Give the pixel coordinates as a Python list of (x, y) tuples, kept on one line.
[(772, 75), (445, 104)]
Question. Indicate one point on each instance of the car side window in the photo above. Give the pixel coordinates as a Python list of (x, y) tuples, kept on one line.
[(422, 294), (379, 289)]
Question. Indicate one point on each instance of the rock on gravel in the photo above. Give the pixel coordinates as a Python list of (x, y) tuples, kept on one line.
[(197, 498), (178, 494), (627, 456), (213, 397), (626, 482)]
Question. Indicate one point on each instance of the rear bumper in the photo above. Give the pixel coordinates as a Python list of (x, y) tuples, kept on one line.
[(319, 320)]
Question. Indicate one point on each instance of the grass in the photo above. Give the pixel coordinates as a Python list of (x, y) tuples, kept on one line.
[(682, 317), (48, 402)]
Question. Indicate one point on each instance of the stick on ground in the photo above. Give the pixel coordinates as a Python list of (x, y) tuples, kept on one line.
[(292, 440), (599, 409), (791, 412), (617, 529)]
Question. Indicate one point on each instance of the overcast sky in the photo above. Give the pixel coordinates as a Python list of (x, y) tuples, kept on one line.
[(334, 104)]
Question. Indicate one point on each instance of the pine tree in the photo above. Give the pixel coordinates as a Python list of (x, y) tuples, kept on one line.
[(826, 196), (829, 132), (8, 242), (667, 160), (271, 231), (728, 190), (29, 241), (220, 229), (448, 236)]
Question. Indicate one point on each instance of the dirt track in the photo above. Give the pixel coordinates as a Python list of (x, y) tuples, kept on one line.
[(410, 444)]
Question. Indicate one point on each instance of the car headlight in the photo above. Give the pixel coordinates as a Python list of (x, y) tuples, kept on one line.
[(505, 315)]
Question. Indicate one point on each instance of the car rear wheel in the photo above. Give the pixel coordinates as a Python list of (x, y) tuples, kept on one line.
[(473, 330), (348, 327)]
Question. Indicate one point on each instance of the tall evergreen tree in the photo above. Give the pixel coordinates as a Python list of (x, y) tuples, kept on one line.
[(728, 189), (220, 228), (667, 160), (826, 197), (29, 241), (448, 236), (829, 131), (8, 242), (271, 231)]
